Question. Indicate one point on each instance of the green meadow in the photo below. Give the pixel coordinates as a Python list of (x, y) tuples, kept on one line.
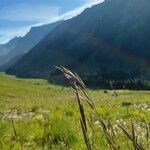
[(36, 115)]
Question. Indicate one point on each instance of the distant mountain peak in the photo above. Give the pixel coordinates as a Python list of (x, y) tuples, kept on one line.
[(18, 46)]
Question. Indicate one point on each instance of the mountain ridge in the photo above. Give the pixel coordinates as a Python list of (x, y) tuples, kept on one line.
[(103, 40)]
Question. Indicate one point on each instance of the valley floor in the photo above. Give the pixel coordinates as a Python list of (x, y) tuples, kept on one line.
[(36, 115)]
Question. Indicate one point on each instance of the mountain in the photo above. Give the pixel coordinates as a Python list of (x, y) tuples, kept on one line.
[(5, 48), (108, 42), (12, 43), (19, 46), (11, 62), (2, 51)]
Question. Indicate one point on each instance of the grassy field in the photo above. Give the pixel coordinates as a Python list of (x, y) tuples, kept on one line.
[(35, 115)]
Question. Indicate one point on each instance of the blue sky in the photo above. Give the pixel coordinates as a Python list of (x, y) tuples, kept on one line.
[(17, 16)]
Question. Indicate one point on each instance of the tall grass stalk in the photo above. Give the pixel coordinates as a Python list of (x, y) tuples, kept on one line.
[(17, 139), (80, 90)]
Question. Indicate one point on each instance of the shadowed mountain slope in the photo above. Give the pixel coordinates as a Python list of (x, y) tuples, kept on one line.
[(110, 41)]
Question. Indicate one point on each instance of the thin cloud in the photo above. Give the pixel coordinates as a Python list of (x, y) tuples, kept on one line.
[(79, 10), (27, 12)]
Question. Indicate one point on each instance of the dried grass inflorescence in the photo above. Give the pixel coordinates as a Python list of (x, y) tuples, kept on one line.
[(107, 128)]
